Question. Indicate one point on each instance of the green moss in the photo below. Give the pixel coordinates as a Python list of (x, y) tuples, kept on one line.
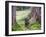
[(35, 26), (18, 27)]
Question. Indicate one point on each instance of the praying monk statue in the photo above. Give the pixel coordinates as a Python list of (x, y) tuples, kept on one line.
[(33, 16)]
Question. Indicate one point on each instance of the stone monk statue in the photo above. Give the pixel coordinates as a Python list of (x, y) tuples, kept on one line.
[(33, 16)]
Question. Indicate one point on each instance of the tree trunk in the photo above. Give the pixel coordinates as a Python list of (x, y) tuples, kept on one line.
[(14, 14)]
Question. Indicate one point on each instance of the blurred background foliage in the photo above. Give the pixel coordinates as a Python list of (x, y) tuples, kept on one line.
[(19, 8)]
